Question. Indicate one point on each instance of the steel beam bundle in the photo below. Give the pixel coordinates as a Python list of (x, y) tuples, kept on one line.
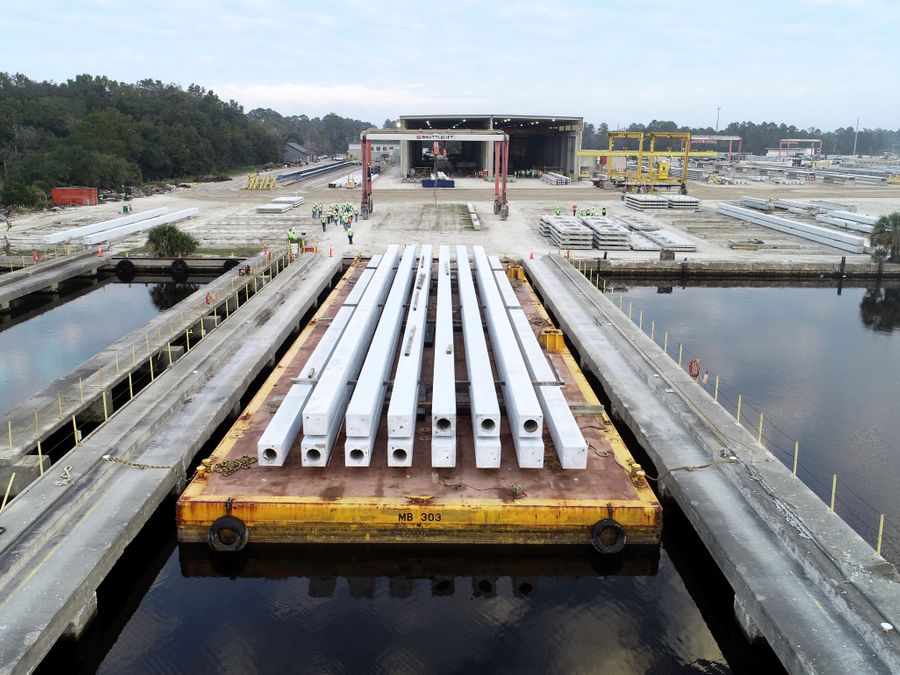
[(443, 391), (482, 394), (364, 410), (571, 447), (131, 228), (401, 415), (840, 240), (324, 410), (524, 414), (66, 235), (276, 441)]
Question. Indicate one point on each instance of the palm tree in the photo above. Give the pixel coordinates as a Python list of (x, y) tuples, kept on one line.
[(886, 235)]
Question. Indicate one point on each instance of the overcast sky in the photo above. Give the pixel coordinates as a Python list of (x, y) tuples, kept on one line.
[(819, 63)]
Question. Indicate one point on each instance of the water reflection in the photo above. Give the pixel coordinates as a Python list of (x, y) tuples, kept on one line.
[(166, 296), (880, 308)]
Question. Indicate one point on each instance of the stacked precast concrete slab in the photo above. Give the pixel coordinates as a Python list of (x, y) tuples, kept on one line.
[(373, 350)]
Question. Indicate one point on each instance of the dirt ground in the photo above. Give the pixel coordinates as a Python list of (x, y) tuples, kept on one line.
[(408, 213)]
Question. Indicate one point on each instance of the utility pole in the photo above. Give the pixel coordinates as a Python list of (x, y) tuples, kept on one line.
[(718, 108), (855, 137)]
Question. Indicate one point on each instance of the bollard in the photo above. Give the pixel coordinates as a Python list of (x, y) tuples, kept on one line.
[(739, 409), (59, 403), (680, 351), (75, 430), (81, 388), (130, 388), (833, 489), (759, 434), (796, 455), (880, 533), (9, 485)]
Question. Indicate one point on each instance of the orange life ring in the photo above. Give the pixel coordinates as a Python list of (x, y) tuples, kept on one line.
[(35, 256), (694, 368), (208, 297)]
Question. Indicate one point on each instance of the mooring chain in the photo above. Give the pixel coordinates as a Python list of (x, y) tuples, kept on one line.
[(137, 465), (229, 466)]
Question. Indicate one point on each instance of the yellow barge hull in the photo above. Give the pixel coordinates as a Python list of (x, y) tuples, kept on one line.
[(384, 505)]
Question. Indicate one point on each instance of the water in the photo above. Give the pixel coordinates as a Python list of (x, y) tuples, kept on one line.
[(811, 358), (821, 366), (53, 342)]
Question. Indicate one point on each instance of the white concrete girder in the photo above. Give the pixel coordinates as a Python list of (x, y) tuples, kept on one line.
[(324, 410), (364, 410), (401, 416), (485, 410), (443, 389), (522, 407)]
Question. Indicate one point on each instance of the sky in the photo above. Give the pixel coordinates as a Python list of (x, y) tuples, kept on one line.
[(812, 63)]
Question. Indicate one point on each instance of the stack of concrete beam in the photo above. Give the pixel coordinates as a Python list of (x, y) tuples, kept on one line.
[(569, 442), (844, 224), (133, 228), (323, 414), (524, 413), (476, 223), (825, 205), (757, 203), (566, 232), (363, 413), (280, 204), (485, 410), (796, 206), (607, 234), (103, 226), (823, 235), (670, 241), (641, 202), (401, 416), (554, 178), (275, 442), (682, 202)]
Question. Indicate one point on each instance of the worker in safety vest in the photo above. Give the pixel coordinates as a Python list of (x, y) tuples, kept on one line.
[(603, 212), (557, 210), (323, 223), (292, 240), (574, 209), (350, 235)]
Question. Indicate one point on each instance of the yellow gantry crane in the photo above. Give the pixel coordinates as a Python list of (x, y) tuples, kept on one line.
[(658, 161)]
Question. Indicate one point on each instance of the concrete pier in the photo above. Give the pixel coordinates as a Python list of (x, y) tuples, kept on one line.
[(79, 394), (803, 579), (63, 534), (47, 276)]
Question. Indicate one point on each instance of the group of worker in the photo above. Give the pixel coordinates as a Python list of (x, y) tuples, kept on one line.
[(583, 212), (344, 214)]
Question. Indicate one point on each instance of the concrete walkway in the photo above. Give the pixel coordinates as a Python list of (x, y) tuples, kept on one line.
[(47, 276), (60, 538), (803, 579)]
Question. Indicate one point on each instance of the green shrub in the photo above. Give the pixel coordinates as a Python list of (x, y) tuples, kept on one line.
[(169, 242)]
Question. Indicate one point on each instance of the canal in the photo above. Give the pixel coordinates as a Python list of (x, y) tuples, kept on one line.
[(821, 365)]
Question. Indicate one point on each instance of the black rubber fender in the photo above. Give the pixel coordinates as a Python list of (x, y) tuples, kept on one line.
[(227, 534), (125, 270), (229, 264), (607, 536), (179, 269)]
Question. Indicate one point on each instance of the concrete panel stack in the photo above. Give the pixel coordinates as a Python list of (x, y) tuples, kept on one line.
[(670, 241), (644, 202), (682, 202), (566, 232), (607, 234), (554, 178)]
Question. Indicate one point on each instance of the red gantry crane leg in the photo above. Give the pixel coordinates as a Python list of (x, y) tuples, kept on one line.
[(366, 204), (501, 170)]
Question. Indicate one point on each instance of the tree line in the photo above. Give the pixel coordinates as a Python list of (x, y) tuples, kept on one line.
[(760, 136), (97, 132), (326, 135)]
